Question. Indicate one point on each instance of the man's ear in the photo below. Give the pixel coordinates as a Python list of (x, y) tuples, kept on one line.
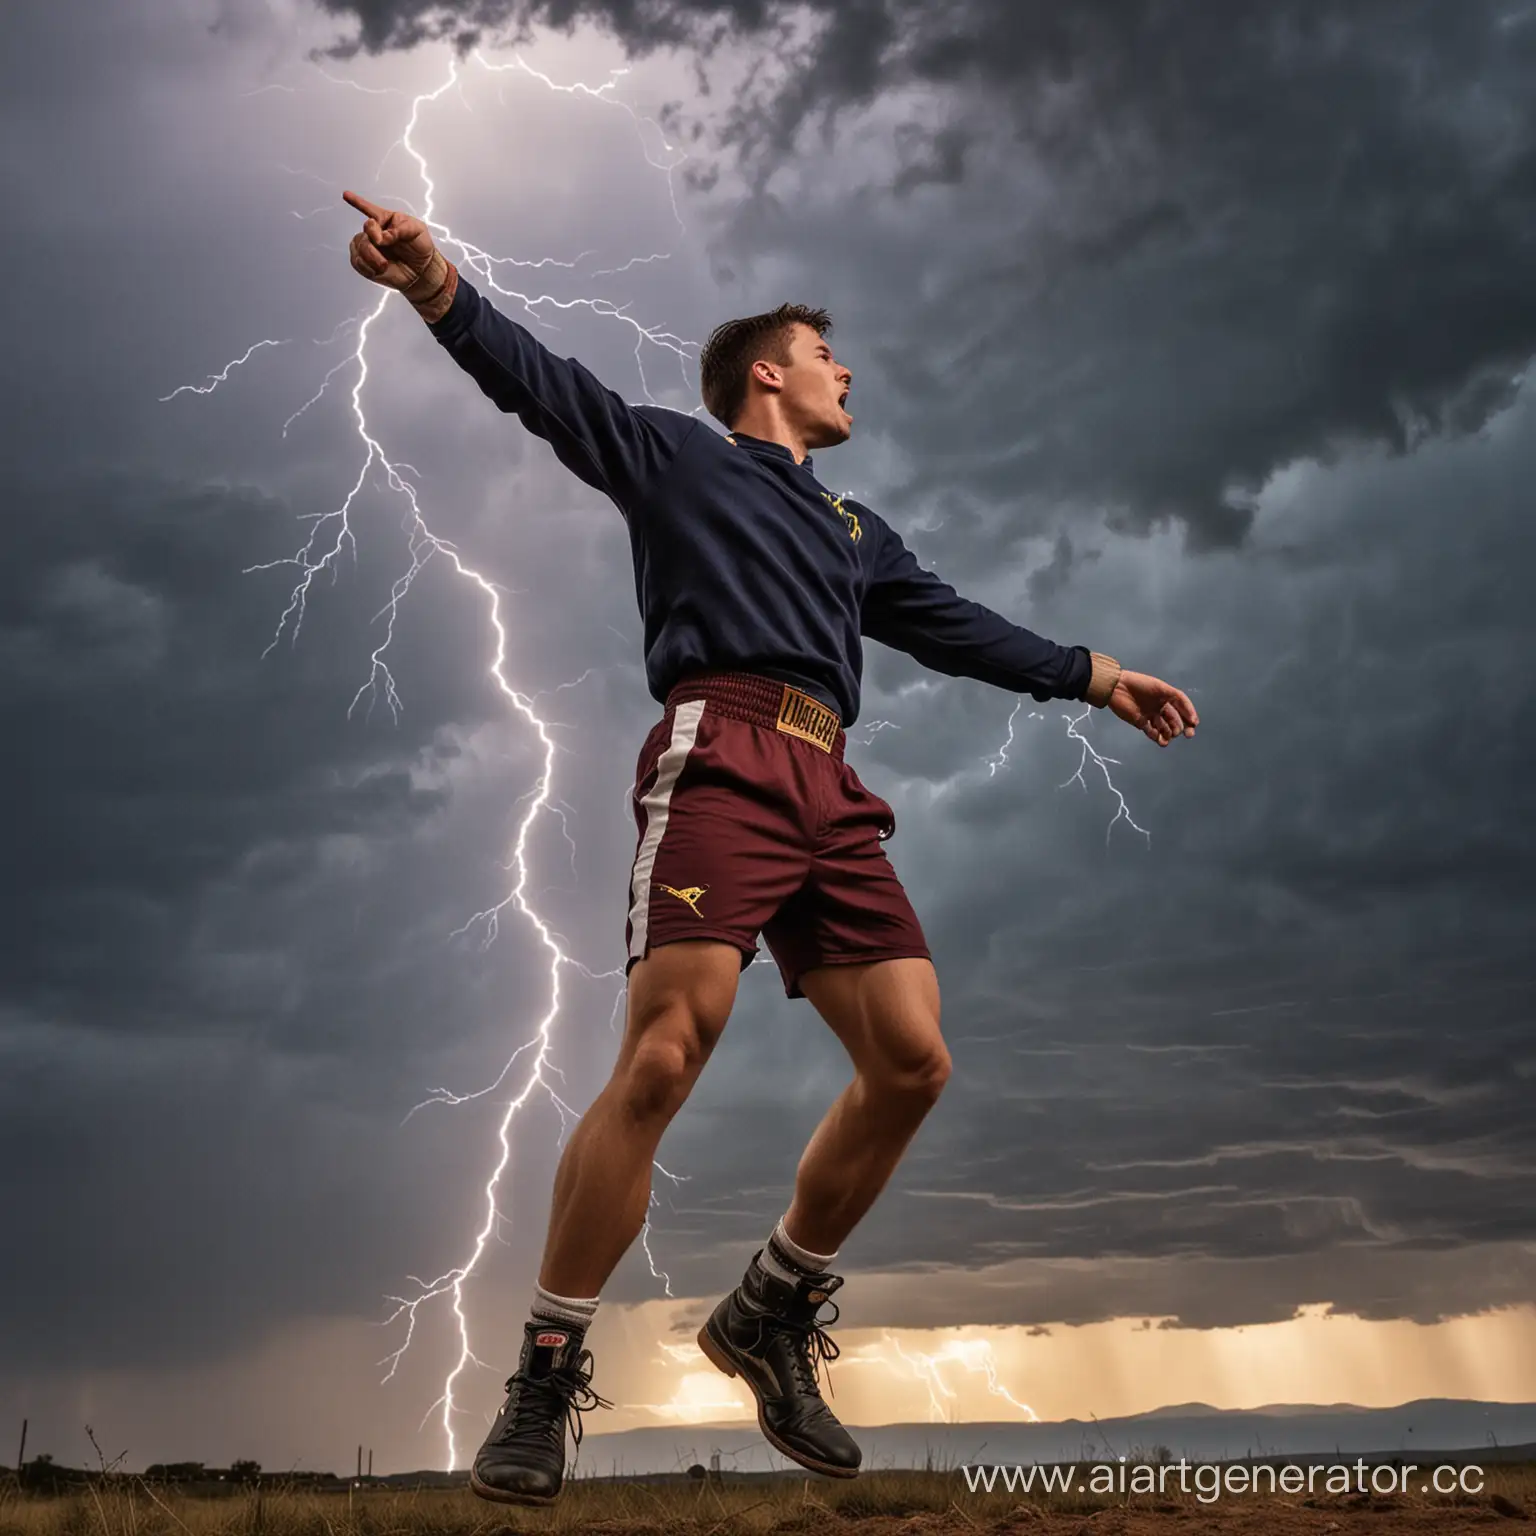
[(767, 375)]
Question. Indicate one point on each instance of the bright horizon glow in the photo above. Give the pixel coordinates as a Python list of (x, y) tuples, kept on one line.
[(307, 1395), (1127, 1366)]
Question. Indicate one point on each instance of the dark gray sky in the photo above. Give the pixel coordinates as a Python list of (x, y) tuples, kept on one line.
[(1198, 335)]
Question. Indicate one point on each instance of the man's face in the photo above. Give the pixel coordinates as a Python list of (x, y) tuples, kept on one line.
[(815, 388)]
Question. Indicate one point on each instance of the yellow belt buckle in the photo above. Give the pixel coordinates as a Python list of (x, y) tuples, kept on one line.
[(809, 719)]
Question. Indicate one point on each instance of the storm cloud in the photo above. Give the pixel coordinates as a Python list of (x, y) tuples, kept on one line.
[(1217, 239), (1199, 336)]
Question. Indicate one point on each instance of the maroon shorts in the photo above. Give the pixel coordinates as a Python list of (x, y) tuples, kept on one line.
[(750, 822)]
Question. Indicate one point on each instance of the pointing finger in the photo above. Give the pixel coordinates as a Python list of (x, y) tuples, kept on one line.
[(364, 206)]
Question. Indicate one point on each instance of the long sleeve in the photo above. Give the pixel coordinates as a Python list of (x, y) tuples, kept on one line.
[(619, 449), (912, 610)]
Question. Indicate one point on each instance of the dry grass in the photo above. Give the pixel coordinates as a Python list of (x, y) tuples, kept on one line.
[(912, 1503)]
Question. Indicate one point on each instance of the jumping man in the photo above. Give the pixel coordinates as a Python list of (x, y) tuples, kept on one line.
[(756, 585)]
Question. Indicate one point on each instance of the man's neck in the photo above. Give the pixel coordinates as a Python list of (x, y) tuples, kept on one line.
[(771, 428)]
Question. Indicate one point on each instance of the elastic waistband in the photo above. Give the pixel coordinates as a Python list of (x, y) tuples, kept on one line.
[(765, 701)]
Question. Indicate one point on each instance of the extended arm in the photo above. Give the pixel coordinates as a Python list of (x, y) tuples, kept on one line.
[(912, 610), (616, 448)]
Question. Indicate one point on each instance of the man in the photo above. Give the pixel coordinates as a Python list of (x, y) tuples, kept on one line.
[(755, 584)]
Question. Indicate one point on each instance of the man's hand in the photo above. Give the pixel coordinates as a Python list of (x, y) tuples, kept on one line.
[(393, 249), (1157, 709)]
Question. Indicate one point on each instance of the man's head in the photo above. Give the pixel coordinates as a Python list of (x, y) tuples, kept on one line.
[(777, 364)]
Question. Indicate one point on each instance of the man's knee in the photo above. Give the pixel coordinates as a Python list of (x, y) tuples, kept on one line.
[(910, 1061), (887, 1015), (937, 1069), (679, 1000), (657, 1075), (921, 1075)]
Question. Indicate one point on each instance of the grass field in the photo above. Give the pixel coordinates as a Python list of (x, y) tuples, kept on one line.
[(877, 1503)]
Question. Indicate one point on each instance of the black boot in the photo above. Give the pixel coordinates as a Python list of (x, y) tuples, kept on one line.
[(523, 1458), (766, 1332)]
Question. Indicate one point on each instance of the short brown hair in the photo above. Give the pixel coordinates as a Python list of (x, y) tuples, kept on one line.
[(726, 360)]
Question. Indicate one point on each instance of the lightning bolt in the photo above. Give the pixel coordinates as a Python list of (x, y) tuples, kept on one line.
[(1102, 763), (331, 535), (974, 1355), (874, 727), (222, 376), (600, 93), (703, 1390), (999, 759)]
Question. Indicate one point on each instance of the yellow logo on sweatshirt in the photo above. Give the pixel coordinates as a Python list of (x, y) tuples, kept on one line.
[(851, 518)]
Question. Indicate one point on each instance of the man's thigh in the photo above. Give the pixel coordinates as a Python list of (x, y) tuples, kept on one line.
[(682, 993), (885, 1013)]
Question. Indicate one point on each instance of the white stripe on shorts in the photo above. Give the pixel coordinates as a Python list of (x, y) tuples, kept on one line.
[(658, 804)]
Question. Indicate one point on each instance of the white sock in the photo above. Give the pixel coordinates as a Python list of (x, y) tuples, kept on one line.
[(575, 1312), (785, 1258)]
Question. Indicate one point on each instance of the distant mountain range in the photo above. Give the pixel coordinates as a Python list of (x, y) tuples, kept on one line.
[(1195, 1431), (1279, 1410), (1424, 1432)]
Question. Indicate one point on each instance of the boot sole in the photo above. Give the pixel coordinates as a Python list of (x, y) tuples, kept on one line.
[(716, 1354), (501, 1496)]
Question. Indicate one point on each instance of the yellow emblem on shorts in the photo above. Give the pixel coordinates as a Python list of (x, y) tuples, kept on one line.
[(689, 893), (801, 715)]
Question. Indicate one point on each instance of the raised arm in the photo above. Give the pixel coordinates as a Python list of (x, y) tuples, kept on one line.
[(912, 610), (619, 449)]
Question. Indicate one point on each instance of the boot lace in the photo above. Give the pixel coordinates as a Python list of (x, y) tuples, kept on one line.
[(812, 1346), (543, 1406)]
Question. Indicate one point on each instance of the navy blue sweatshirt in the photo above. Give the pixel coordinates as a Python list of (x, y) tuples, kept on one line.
[(743, 560)]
